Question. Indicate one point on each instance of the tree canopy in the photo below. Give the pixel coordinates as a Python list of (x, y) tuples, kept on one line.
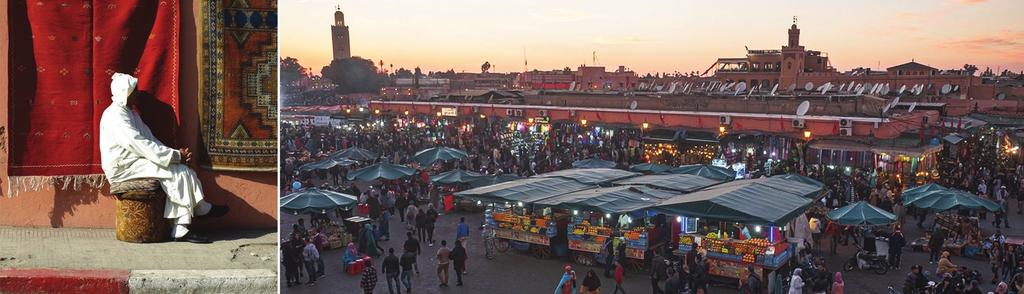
[(353, 75)]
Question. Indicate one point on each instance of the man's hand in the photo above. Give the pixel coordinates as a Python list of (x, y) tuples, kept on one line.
[(186, 155)]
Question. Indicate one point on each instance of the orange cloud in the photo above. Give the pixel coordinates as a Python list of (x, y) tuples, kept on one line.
[(972, 2)]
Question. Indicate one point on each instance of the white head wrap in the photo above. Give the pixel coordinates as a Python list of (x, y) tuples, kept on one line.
[(121, 86)]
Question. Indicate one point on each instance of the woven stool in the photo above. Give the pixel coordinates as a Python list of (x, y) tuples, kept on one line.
[(140, 211)]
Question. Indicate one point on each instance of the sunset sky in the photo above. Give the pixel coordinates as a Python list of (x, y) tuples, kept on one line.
[(654, 36)]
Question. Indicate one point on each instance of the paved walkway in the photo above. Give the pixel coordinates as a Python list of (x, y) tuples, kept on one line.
[(69, 248)]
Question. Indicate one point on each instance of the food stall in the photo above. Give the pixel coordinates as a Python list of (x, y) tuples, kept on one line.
[(733, 228), (608, 212)]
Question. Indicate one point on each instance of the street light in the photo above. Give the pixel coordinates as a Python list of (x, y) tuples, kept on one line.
[(406, 112), (376, 111), (529, 120), (807, 134), (438, 114), (645, 125), (483, 116), (583, 122)]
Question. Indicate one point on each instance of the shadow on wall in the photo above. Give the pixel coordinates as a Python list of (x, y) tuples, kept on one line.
[(243, 214), (65, 201)]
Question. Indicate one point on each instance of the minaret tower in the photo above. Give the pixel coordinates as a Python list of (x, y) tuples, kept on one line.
[(340, 37)]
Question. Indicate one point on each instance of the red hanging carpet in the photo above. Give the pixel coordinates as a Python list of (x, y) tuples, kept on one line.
[(62, 55), (239, 84)]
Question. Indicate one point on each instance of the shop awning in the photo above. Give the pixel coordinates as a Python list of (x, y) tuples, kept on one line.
[(840, 145), (619, 199), (526, 190), (908, 151), (676, 182), (799, 178), (699, 137), (774, 200), (592, 176)]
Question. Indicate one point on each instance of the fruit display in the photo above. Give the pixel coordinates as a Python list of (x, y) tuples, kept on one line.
[(686, 239), (635, 233), (749, 258)]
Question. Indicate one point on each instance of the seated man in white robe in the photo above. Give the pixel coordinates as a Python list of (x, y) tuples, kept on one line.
[(129, 151)]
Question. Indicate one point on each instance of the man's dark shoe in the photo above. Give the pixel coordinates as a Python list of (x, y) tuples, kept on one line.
[(217, 211), (192, 237)]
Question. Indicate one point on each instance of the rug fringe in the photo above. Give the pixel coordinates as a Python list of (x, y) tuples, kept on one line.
[(18, 184)]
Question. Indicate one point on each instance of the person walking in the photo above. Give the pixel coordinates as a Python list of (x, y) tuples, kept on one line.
[(591, 284), (459, 257), (431, 222), (310, 255), (935, 245), (443, 255), (407, 262), (796, 282), (462, 230), (609, 257), (369, 280), (410, 217), (618, 279), (567, 284), (385, 226), (896, 243), (752, 284), (391, 269), (658, 273), (291, 261), (421, 225), (838, 285), (412, 246), (402, 204)]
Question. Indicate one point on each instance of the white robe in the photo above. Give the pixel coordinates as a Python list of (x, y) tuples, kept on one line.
[(130, 151)]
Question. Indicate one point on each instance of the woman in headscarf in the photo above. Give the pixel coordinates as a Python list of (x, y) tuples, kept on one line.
[(1002, 288), (350, 255), (838, 284), (567, 285), (368, 242), (796, 283), (591, 283)]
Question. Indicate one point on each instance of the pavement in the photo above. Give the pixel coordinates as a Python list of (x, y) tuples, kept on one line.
[(514, 272), (34, 260)]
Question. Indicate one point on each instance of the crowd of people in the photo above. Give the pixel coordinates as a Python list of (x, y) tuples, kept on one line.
[(496, 147)]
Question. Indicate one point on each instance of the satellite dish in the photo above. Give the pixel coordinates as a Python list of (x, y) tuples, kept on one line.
[(776, 87), (956, 88), (792, 87), (912, 106), (860, 90), (868, 86), (874, 89), (885, 89), (803, 108), (841, 87), (632, 105), (894, 102), (808, 86), (886, 108), (918, 90), (741, 86), (902, 88), (1001, 96), (946, 89), (826, 87)]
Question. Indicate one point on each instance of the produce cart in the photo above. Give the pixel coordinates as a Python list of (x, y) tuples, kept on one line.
[(512, 224)]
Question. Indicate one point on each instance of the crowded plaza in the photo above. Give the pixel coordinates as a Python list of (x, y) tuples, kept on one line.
[(638, 208)]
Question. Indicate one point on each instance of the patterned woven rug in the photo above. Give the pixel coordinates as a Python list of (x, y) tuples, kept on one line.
[(62, 55), (239, 84)]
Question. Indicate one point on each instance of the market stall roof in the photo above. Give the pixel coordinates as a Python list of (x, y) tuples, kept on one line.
[(316, 200), (354, 153), (594, 162), (327, 163), (488, 180), (802, 179), (908, 151), (707, 171), (380, 170), (837, 144), (998, 119), (526, 190), (650, 167), (676, 182), (949, 199), (861, 213), (456, 176), (593, 176), (429, 156), (774, 200), (618, 199)]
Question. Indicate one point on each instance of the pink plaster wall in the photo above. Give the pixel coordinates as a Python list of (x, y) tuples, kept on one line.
[(252, 196)]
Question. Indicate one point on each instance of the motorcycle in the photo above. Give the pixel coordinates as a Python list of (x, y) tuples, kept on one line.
[(868, 261)]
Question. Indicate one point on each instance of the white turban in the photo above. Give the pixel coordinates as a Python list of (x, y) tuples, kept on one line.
[(121, 86)]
